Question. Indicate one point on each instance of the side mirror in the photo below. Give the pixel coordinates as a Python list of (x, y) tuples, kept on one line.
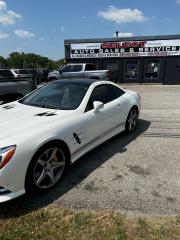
[(60, 71), (98, 105)]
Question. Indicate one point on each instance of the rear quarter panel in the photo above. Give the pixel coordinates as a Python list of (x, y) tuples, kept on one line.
[(132, 99)]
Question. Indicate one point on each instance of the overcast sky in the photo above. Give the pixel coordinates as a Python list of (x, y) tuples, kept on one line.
[(40, 26)]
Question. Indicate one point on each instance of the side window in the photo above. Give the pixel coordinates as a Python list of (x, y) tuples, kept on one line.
[(90, 67), (9, 74), (2, 74), (114, 92), (24, 71), (6, 73), (72, 68), (105, 94)]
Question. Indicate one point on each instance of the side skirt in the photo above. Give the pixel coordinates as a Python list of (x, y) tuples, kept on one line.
[(97, 141)]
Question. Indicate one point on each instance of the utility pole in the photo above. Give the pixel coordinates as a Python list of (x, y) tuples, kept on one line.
[(117, 34), (24, 61), (37, 64)]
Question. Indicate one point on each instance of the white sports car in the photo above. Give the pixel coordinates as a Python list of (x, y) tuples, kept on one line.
[(56, 124)]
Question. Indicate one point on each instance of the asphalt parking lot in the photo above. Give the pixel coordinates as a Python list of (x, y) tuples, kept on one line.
[(133, 174)]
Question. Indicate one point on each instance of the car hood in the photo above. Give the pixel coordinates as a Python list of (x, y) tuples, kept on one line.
[(19, 120)]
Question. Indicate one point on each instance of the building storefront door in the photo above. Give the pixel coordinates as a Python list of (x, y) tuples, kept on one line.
[(131, 71), (152, 71), (113, 66)]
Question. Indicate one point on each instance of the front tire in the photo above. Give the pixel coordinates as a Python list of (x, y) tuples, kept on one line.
[(46, 168), (131, 121)]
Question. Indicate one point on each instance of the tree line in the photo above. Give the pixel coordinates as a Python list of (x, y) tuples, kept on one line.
[(29, 60)]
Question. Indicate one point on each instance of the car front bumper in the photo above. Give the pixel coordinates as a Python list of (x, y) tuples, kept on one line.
[(4, 197), (12, 180)]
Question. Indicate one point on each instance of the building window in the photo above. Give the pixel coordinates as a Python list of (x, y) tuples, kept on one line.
[(112, 65), (131, 69), (152, 69)]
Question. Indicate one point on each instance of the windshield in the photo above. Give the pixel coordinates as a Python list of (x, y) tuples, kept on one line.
[(58, 95)]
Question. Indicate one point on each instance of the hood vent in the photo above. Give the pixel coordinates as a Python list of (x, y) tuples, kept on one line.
[(9, 106), (47, 114)]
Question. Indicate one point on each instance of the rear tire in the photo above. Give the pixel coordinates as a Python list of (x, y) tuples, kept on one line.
[(131, 121), (46, 168)]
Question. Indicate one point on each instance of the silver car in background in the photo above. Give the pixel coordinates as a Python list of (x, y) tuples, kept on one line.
[(79, 70)]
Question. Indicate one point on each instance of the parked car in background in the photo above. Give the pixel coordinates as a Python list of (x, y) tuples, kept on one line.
[(15, 73), (38, 75), (23, 73), (13, 88), (9, 73), (79, 70)]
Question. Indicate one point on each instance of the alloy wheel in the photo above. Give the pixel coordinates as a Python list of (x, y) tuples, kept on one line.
[(49, 168), (132, 120)]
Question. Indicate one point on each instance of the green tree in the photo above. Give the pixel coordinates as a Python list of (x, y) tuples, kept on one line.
[(3, 62), (30, 60)]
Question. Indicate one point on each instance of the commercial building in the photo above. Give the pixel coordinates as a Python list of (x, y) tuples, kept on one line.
[(150, 59)]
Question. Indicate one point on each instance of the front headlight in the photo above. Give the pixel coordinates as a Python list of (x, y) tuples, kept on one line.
[(6, 154)]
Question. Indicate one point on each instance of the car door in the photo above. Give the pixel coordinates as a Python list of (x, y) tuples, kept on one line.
[(89, 69), (102, 122)]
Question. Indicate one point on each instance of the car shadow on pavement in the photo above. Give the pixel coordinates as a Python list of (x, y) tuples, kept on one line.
[(75, 174)]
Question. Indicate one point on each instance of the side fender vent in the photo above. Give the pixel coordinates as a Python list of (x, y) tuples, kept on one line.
[(77, 138), (9, 106)]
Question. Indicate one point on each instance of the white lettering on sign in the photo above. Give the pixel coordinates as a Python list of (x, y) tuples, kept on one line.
[(126, 49)]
